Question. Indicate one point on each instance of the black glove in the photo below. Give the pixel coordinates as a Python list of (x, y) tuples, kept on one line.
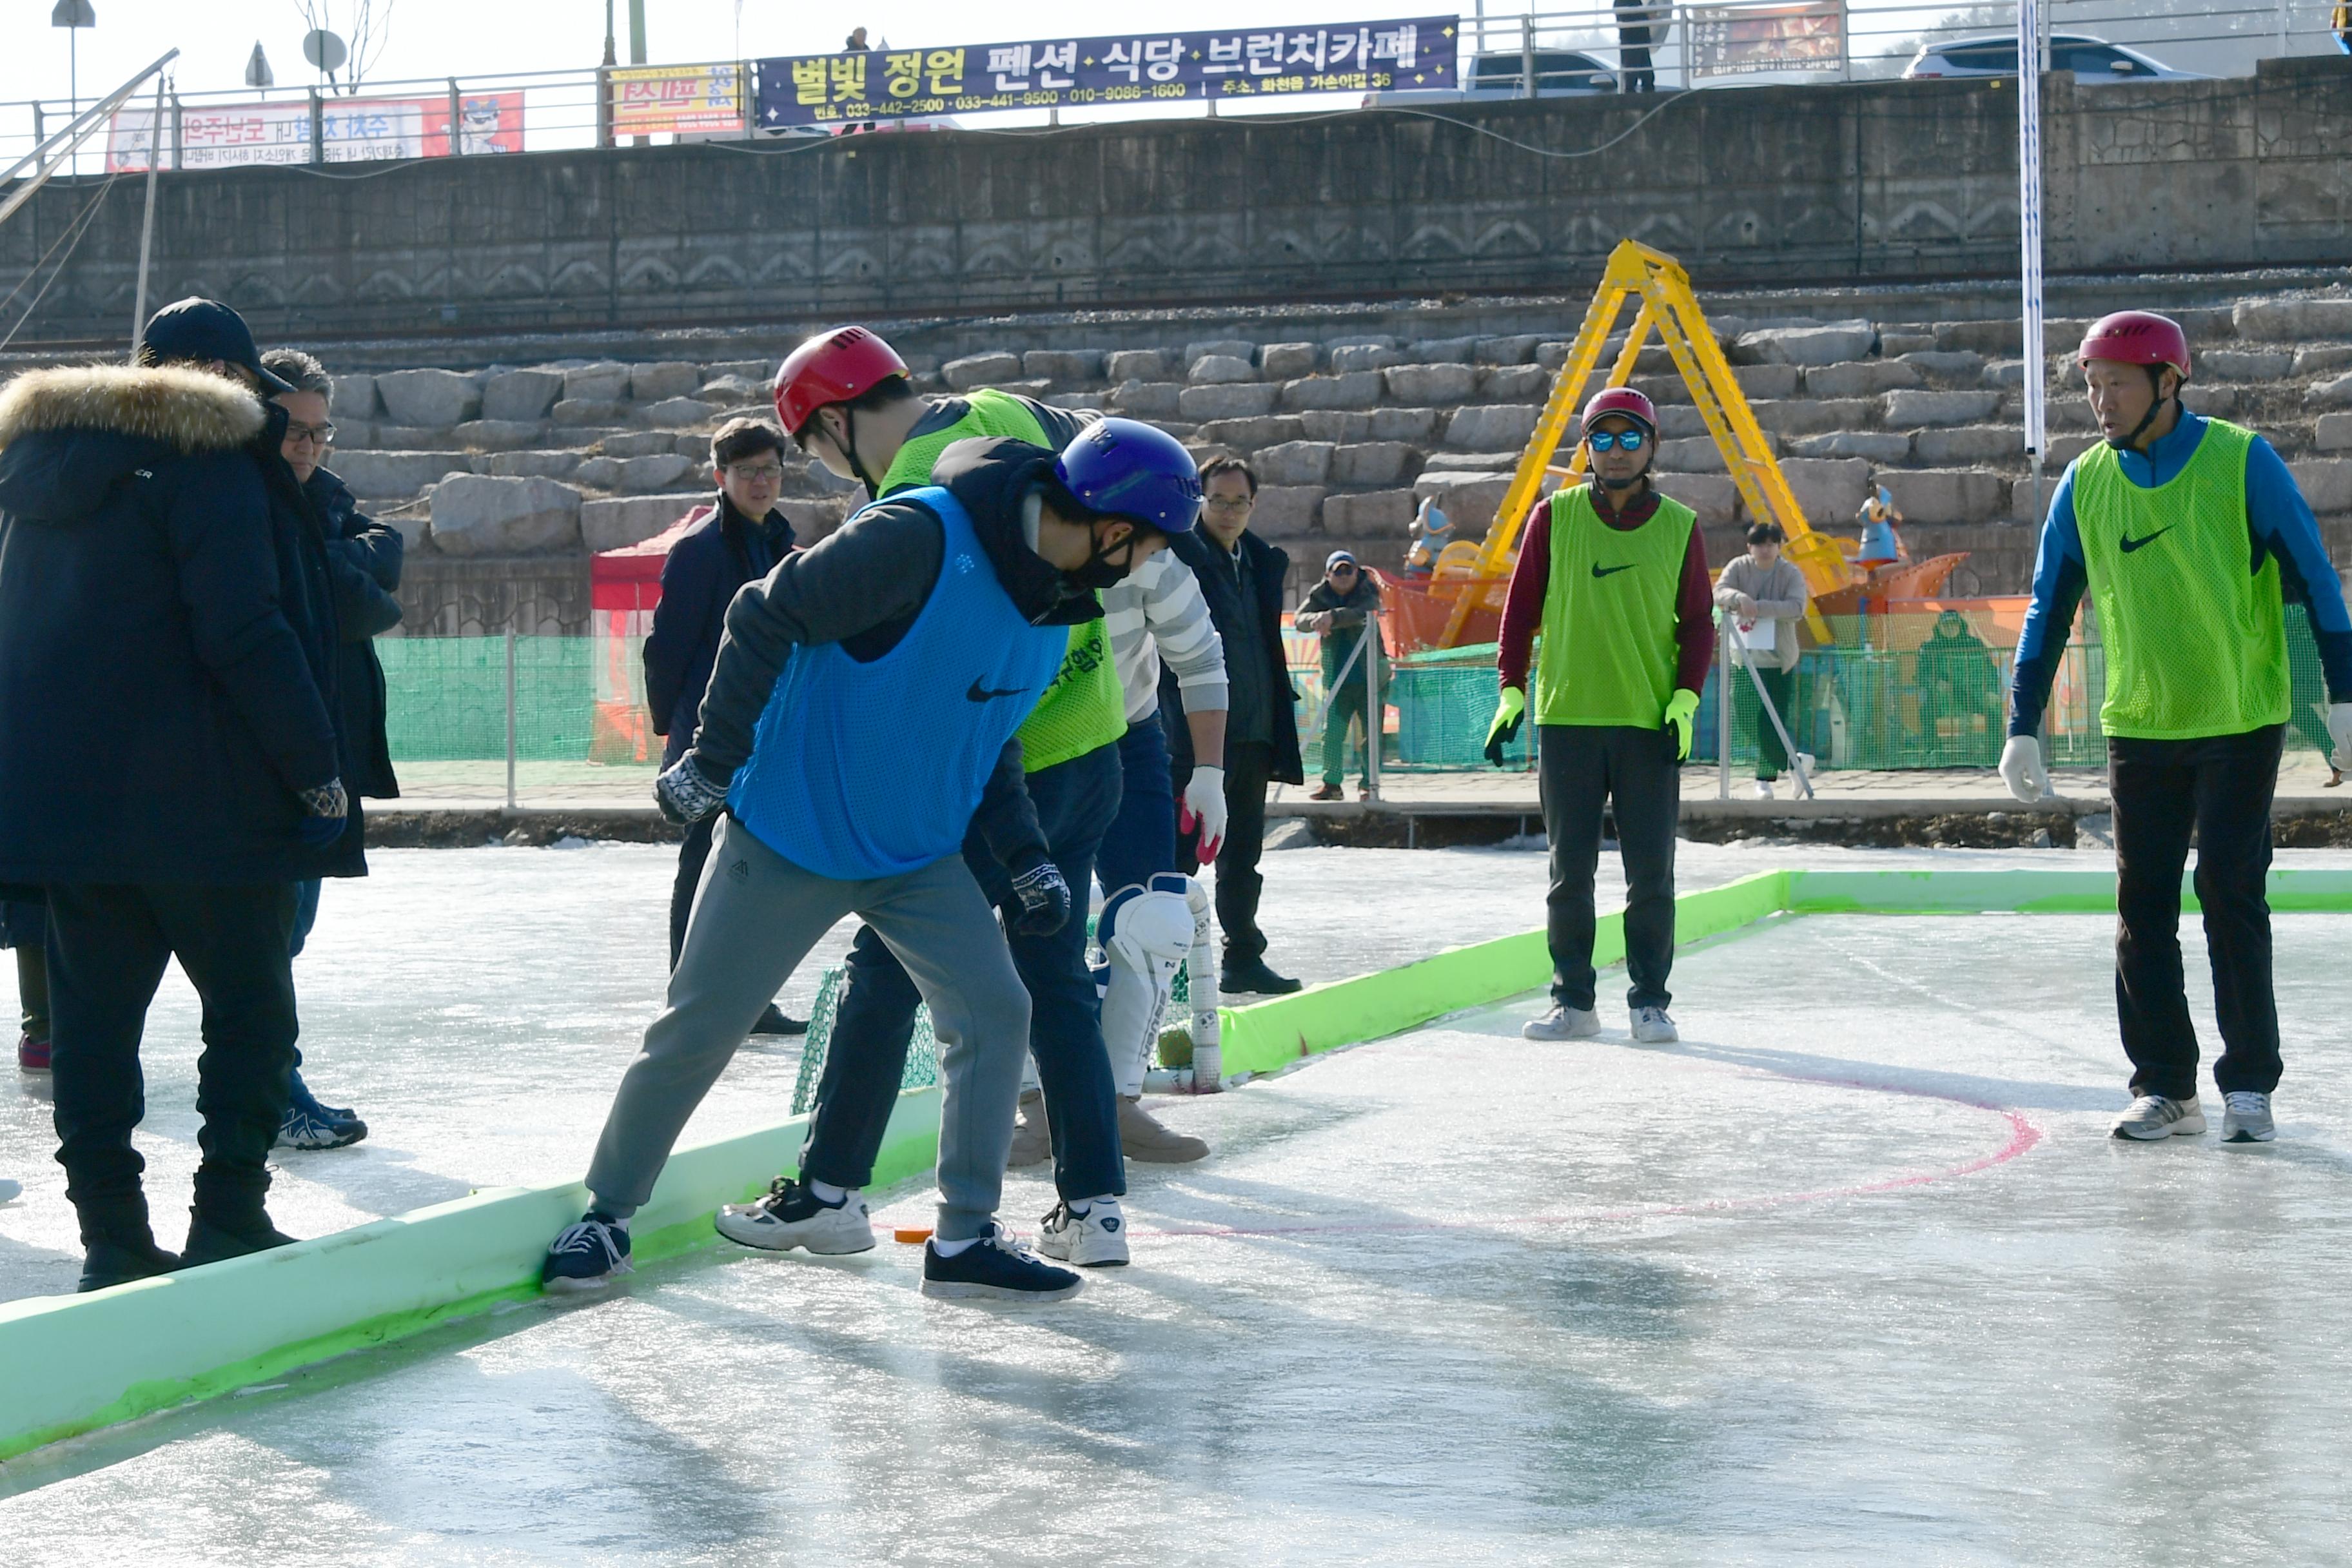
[(326, 812), (1044, 897)]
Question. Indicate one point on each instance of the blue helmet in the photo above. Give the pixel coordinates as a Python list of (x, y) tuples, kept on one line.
[(1124, 468)]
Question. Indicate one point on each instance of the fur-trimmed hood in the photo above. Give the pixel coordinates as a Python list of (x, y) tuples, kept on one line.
[(67, 435), (188, 410)]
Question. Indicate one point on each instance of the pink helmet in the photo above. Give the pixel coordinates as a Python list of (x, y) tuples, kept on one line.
[(2137, 337), (1626, 401)]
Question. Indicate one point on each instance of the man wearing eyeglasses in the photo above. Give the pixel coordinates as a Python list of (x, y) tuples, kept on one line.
[(740, 538), (1615, 575), (364, 559)]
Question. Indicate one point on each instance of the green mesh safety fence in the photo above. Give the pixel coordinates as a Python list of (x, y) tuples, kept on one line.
[(922, 1053), (1905, 691)]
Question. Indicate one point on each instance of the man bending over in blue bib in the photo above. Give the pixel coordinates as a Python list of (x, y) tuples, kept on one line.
[(865, 691)]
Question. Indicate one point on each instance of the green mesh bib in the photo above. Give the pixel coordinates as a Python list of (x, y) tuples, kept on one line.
[(1609, 615), (1083, 710), (2196, 644), (992, 413)]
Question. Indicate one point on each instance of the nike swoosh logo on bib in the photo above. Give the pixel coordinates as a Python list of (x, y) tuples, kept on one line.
[(976, 692), (2130, 545), (1599, 570)]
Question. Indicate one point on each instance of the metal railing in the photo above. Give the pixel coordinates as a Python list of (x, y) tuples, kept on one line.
[(1734, 44)]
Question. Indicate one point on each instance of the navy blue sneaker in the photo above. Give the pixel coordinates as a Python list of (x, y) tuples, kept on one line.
[(587, 1256), (995, 1267), (311, 1125)]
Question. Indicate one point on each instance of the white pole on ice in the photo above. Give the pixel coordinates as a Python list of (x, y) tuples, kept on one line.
[(2034, 371), (1723, 711), (1376, 709), (510, 719)]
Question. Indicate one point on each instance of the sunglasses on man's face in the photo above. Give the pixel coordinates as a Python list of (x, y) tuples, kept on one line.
[(1602, 440), (1343, 571)]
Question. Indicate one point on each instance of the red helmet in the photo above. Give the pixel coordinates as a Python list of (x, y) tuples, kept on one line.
[(1621, 400), (2137, 337), (832, 368)]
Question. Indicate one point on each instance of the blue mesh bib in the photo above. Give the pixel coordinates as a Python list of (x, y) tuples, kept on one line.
[(875, 769)]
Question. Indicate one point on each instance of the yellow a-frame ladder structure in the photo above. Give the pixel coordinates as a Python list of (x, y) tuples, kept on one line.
[(1668, 308)]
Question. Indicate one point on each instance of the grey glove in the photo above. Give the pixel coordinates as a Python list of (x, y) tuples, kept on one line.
[(685, 796)]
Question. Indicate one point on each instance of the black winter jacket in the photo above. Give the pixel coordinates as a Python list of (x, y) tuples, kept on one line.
[(158, 707), (363, 562), (698, 579), (1211, 563)]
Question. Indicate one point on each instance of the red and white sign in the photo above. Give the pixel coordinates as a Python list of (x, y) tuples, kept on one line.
[(351, 129)]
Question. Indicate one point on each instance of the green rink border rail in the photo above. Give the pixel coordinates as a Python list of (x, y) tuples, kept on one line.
[(72, 1365)]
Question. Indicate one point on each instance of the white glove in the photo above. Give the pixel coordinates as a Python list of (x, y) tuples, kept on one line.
[(2339, 730), (2022, 768), (1204, 803)]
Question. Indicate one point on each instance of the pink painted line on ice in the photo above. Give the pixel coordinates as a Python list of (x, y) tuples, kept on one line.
[(2023, 1135)]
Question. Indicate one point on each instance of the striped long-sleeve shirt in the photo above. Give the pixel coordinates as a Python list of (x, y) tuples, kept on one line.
[(1158, 613)]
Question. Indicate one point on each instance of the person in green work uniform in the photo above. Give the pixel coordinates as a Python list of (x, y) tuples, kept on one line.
[(1344, 610), (2191, 536), (1614, 575)]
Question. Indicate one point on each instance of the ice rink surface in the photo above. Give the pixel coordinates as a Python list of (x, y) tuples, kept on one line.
[(1854, 1274)]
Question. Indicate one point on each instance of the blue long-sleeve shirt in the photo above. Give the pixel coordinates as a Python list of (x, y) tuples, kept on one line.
[(2279, 524)]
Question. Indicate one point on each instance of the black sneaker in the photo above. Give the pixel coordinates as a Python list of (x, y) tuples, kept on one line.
[(211, 1241), (587, 1256), (995, 1267), (113, 1262), (776, 1021), (1253, 978)]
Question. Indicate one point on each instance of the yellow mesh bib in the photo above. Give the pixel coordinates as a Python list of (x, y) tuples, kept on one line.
[(2195, 642)]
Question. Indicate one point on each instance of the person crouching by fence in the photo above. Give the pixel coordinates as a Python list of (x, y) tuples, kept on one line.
[(1342, 609), (1764, 597), (740, 539)]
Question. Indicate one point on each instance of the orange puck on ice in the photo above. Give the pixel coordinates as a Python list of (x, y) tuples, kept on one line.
[(912, 1234)]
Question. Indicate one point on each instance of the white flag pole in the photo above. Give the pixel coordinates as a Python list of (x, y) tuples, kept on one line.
[(2029, 226)]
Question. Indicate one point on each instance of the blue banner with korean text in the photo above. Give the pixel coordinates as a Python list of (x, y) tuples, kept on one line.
[(1069, 73)]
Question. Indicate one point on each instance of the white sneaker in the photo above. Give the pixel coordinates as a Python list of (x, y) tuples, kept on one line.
[(790, 1216), (1653, 1027), (2246, 1117), (1763, 789), (1805, 763), (1095, 1240), (1562, 1022), (2153, 1116)]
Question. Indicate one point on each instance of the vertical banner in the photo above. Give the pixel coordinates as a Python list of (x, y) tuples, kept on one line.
[(2028, 227)]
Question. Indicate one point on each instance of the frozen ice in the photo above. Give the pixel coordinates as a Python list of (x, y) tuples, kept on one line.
[(1851, 1274)]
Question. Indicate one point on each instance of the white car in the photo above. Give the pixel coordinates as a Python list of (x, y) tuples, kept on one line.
[(1559, 73), (2091, 59)]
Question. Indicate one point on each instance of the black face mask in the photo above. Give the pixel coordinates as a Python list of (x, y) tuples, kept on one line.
[(1100, 570)]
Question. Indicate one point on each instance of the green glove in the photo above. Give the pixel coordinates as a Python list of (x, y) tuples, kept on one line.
[(1509, 714), (1681, 717)]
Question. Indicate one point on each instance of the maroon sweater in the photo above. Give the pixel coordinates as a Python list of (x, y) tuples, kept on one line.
[(1523, 612)]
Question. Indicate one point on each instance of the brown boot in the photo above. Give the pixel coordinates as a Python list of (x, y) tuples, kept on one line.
[(1142, 1137), (1033, 1143)]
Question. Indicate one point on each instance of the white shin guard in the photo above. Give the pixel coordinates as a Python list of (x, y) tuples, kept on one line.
[(1151, 931), (1201, 983)]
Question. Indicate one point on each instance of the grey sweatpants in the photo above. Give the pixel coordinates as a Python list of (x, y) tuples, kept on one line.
[(756, 915)]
